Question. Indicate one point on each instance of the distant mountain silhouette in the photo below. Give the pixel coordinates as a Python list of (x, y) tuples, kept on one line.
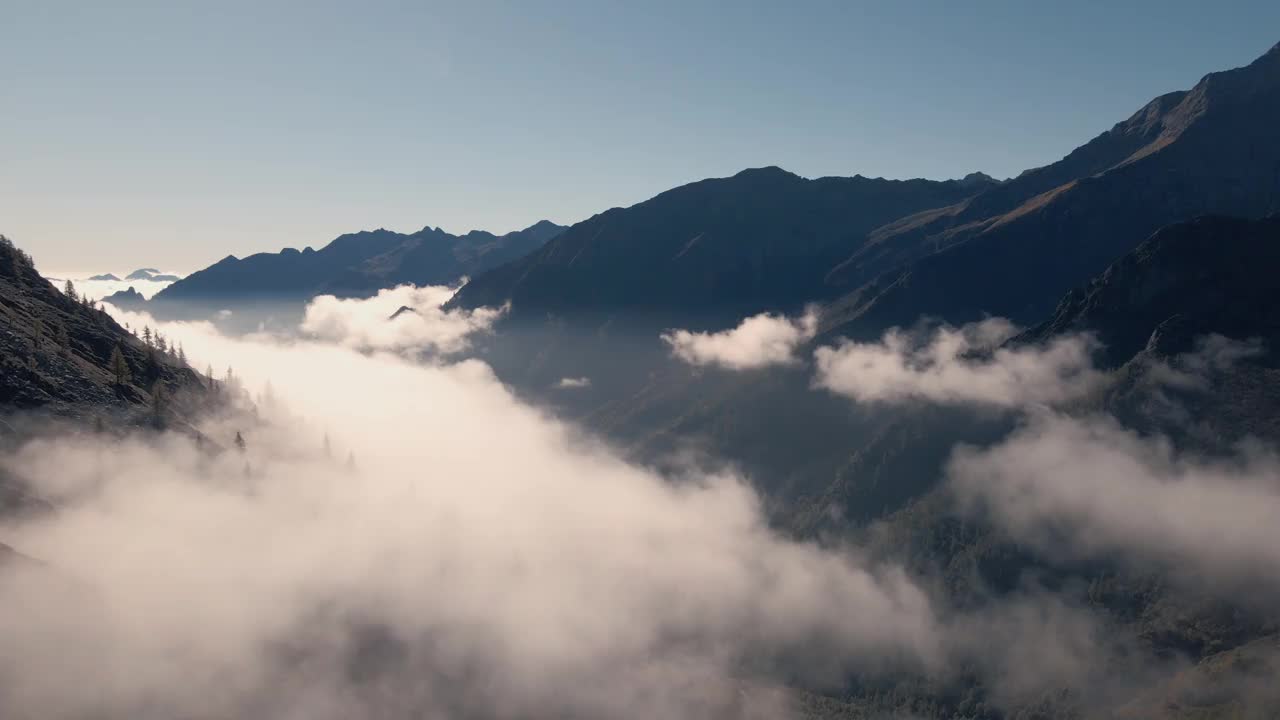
[(357, 263), (108, 277), (129, 299), (762, 238), (152, 275)]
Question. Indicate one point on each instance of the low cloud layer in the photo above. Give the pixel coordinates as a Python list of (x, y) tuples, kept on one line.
[(483, 560), (573, 383), (98, 289), (402, 318), (758, 341), (1088, 488), (960, 366)]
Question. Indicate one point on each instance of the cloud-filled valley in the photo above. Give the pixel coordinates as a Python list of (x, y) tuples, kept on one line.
[(478, 557), (483, 559), (789, 442)]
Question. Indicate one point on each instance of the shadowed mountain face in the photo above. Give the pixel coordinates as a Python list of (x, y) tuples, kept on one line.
[(762, 238), (1209, 275), (592, 302), (1016, 248), (768, 240), (356, 264)]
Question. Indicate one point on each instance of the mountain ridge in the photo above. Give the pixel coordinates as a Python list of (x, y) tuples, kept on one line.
[(1208, 150), (761, 236), (355, 263)]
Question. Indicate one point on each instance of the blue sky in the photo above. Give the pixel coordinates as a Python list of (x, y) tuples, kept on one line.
[(171, 134)]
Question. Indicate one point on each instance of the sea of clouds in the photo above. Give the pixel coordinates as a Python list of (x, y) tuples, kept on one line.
[(478, 558)]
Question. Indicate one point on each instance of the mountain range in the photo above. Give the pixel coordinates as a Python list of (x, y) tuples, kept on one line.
[(355, 264), (885, 253), (1158, 236), (764, 238)]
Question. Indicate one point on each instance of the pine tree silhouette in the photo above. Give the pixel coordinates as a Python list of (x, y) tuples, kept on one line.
[(119, 368)]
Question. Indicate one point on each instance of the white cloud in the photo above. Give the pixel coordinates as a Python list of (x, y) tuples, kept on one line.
[(958, 365), (485, 560), (573, 383), (1089, 488), (758, 341), (377, 323), (98, 289)]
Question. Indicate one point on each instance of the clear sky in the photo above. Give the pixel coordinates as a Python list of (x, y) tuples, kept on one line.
[(170, 134)]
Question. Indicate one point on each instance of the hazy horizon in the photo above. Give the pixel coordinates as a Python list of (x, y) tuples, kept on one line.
[(148, 134)]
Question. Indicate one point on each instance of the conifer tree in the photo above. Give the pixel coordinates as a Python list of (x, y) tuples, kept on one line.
[(240, 444), (146, 336), (37, 329), (70, 291), (159, 402), (119, 368)]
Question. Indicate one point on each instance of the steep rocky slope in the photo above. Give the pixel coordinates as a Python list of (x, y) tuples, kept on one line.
[(56, 353)]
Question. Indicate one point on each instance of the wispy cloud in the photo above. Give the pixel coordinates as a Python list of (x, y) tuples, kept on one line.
[(1088, 488), (378, 323), (960, 366)]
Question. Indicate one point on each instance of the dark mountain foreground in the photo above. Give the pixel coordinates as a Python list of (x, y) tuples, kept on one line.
[(57, 353), (66, 365)]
